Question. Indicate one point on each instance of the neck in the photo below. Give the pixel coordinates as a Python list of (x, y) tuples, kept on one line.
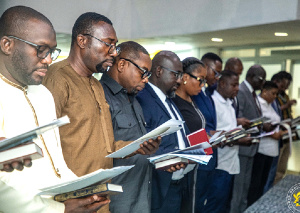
[(182, 94), (78, 64), (222, 94)]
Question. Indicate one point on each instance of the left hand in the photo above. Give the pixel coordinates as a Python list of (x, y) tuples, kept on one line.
[(268, 127), (149, 147)]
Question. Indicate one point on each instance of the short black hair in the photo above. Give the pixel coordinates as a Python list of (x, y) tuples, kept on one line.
[(84, 24), (254, 71), (189, 64), (211, 56), (282, 75), (227, 74), (13, 20), (131, 50), (269, 85)]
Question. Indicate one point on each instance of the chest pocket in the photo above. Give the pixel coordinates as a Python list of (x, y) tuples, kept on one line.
[(125, 121)]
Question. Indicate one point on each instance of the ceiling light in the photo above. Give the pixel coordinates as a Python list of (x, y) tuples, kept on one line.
[(280, 34), (217, 39)]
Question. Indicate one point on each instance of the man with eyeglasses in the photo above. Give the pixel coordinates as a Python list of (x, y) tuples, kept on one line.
[(89, 137), (170, 189), (28, 46), (128, 76), (249, 108)]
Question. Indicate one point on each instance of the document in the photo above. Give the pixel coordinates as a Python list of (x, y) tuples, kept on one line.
[(166, 128), (29, 135), (99, 176)]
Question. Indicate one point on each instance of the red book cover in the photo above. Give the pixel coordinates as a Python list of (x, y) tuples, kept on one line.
[(197, 137)]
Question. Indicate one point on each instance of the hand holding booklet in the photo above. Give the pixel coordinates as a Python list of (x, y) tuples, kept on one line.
[(93, 183), (194, 153), (166, 128), (17, 148)]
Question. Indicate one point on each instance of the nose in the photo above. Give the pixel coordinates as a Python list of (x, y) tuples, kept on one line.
[(145, 80), (179, 80), (47, 60), (114, 53)]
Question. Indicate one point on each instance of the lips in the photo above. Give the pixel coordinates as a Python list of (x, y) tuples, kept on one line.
[(41, 72)]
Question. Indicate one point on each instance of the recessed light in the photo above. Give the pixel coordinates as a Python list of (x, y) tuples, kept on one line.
[(280, 34), (217, 39)]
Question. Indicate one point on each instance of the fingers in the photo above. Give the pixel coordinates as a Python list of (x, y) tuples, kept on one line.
[(98, 202), (149, 147), (7, 168), (27, 163)]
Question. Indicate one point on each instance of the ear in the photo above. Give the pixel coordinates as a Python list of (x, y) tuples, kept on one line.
[(7, 45), (221, 84), (81, 41), (185, 77), (121, 65), (158, 72)]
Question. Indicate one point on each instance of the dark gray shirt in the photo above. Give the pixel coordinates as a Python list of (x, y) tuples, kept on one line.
[(128, 124)]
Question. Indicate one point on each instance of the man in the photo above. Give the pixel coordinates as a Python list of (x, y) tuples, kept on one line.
[(234, 64), (128, 76), (28, 46), (228, 160), (249, 108), (204, 102), (283, 80), (169, 190), (89, 137)]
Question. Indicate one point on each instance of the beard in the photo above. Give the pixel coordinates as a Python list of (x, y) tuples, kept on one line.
[(171, 94), (21, 71), (100, 68)]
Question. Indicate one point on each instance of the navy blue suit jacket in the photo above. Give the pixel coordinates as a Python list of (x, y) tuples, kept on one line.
[(207, 108), (156, 114)]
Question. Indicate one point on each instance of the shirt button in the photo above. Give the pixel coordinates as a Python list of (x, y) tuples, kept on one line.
[(176, 147), (129, 124)]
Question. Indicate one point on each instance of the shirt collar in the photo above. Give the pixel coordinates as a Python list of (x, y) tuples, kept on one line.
[(249, 86), (221, 99), (158, 92), (114, 86)]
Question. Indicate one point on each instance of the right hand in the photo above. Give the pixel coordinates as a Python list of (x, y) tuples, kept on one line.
[(16, 165), (176, 167), (89, 204), (244, 122)]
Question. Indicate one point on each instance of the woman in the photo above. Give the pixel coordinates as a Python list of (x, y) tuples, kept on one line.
[(268, 146), (192, 81)]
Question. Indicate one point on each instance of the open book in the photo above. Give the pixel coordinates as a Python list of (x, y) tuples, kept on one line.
[(258, 121), (93, 181), (228, 136), (194, 153), (29, 135), (166, 128)]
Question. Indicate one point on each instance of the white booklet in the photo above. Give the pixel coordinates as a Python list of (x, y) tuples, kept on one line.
[(29, 135), (195, 153), (99, 176), (166, 128)]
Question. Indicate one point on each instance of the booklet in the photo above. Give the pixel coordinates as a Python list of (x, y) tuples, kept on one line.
[(166, 128), (97, 177), (29, 135)]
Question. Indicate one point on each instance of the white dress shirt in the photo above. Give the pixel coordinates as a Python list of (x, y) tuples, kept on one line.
[(228, 159)]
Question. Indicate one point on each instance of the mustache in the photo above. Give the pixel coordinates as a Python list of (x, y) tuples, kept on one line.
[(99, 67)]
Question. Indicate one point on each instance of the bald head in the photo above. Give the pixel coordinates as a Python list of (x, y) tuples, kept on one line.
[(256, 76), (234, 64), (166, 72), (14, 20)]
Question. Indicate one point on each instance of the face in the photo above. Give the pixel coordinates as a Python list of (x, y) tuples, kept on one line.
[(282, 84), (131, 78), (212, 68), (258, 80), (193, 86), (169, 82), (26, 68), (269, 94), (96, 54), (230, 87)]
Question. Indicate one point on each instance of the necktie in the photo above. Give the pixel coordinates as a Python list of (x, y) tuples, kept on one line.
[(169, 102), (255, 100)]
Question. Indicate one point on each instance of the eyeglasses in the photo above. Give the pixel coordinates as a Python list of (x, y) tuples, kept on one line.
[(145, 74), (112, 48), (261, 78), (202, 81), (217, 74), (42, 50), (178, 74)]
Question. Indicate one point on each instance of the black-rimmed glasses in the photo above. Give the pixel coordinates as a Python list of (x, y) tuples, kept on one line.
[(202, 81), (217, 74), (112, 48), (42, 51), (178, 74), (145, 74)]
